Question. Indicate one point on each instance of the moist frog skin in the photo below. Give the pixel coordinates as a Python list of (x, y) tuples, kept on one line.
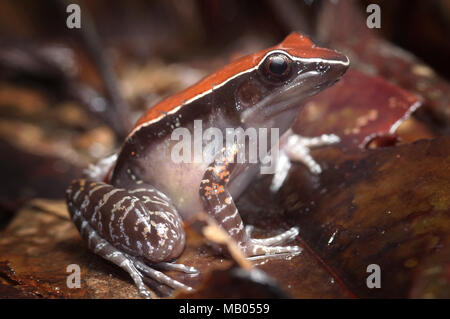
[(130, 208)]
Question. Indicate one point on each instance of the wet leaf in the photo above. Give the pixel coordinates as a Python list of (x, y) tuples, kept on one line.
[(357, 109), (388, 206), (41, 242)]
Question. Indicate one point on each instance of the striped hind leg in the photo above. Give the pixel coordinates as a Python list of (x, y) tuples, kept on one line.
[(104, 249), (121, 226), (220, 205)]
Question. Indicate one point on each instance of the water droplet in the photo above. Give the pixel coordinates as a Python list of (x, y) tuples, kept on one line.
[(330, 241)]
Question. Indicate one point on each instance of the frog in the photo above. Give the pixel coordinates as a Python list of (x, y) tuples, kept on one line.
[(130, 208)]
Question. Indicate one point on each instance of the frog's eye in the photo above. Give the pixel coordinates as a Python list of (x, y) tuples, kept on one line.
[(277, 67)]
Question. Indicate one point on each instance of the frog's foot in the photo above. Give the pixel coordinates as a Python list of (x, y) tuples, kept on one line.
[(99, 170), (280, 239), (177, 267), (137, 269), (162, 278), (297, 149), (256, 248)]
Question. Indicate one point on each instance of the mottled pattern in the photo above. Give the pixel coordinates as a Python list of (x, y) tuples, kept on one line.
[(129, 228), (140, 222)]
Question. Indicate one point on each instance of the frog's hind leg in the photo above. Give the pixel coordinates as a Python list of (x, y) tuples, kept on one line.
[(220, 205), (134, 229), (104, 249)]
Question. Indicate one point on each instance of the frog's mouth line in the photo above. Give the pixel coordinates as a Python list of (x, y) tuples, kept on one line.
[(306, 85), (275, 110)]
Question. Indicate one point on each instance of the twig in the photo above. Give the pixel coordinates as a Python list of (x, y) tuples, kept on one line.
[(93, 45)]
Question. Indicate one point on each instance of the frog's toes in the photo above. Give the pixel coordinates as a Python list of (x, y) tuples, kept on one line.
[(128, 265), (298, 149), (267, 247), (256, 251), (158, 276), (275, 240), (282, 166), (178, 267)]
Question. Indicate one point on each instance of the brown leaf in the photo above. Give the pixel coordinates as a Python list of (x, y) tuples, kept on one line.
[(41, 241), (357, 109), (236, 283), (388, 206), (39, 245)]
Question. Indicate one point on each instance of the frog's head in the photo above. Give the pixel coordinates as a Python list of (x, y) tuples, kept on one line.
[(284, 75)]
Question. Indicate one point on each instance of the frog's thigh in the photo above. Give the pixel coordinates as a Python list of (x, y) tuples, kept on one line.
[(127, 227)]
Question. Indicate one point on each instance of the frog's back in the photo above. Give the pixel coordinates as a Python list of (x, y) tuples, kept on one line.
[(295, 44)]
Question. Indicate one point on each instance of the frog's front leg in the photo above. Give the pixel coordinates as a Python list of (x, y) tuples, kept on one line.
[(296, 148), (220, 205), (135, 229)]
